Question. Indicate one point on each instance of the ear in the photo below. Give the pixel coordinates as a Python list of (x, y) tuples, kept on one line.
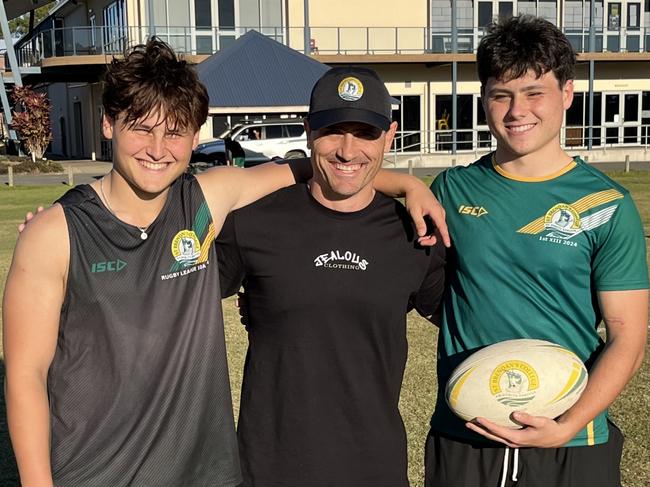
[(108, 126), (308, 133), (567, 94), (390, 135), (195, 139)]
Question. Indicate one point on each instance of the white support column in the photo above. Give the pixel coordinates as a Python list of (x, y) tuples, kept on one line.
[(6, 33), (6, 108), (15, 70)]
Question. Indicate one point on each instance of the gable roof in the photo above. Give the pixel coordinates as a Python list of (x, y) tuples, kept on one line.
[(257, 71), (16, 8)]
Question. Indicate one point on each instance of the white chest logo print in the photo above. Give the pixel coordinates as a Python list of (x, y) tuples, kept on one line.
[(342, 260)]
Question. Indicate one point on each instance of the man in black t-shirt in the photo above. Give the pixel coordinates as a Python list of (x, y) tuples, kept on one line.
[(330, 270)]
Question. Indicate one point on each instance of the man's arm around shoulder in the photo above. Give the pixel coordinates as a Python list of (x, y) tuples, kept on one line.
[(230, 188), (33, 297)]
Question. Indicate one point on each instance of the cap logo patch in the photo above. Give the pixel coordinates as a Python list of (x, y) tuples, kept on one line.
[(350, 89)]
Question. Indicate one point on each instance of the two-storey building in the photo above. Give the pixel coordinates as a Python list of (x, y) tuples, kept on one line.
[(419, 47)]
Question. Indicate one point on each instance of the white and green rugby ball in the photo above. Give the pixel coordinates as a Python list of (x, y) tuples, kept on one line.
[(535, 376)]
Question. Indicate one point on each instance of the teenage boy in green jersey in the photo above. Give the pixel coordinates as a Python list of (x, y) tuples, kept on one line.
[(544, 246)]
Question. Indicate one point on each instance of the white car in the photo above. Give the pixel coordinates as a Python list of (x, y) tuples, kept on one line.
[(285, 139)]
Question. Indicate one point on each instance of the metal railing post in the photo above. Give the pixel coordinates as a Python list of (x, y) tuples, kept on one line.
[(367, 40), (396, 41), (338, 40)]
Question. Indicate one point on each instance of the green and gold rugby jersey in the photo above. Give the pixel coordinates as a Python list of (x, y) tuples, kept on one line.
[(528, 257)]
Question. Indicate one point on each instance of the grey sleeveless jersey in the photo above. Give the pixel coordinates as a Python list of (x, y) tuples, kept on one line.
[(139, 389)]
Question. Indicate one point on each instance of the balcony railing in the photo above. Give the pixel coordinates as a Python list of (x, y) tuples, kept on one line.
[(75, 41), (480, 139)]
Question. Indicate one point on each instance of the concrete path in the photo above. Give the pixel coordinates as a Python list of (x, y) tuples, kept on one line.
[(86, 171), (83, 172)]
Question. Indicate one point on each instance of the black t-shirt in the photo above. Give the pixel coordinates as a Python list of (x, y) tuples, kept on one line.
[(327, 297)]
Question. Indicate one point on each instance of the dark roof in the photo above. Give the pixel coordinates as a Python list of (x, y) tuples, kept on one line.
[(16, 8), (258, 71)]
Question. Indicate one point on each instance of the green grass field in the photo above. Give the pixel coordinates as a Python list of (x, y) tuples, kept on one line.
[(419, 389)]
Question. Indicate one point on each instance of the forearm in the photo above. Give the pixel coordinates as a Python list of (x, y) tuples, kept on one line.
[(395, 184), (626, 317), (28, 417), (616, 365)]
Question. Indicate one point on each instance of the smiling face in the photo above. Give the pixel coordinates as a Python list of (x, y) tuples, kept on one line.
[(346, 157), (148, 154), (525, 115)]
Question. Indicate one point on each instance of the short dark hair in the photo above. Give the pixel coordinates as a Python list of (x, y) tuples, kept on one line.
[(151, 79), (516, 45)]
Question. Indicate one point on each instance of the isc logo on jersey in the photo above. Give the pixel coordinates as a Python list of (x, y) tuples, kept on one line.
[(477, 211), (186, 248)]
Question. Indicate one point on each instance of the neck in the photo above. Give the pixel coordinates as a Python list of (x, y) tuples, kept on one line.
[(127, 203), (342, 203), (536, 165)]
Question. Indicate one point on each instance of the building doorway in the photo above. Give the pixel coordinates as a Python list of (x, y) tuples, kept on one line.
[(64, 136), (78, 130), (408, 118)]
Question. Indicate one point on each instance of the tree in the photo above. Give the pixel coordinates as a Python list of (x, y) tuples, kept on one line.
[(20, 25), (32, 122)]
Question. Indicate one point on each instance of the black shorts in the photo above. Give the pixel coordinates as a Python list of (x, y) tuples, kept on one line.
[(450, 463)]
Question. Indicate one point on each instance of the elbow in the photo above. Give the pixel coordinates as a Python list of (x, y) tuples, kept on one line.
[(638, 360)]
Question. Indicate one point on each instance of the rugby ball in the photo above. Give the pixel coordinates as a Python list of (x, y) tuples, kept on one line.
[(535, 376)]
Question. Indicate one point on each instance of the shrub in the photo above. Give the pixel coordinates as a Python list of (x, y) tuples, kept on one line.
[(32, 121), (32, 167)]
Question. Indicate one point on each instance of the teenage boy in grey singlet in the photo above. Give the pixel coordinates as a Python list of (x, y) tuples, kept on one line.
[(117, 376)]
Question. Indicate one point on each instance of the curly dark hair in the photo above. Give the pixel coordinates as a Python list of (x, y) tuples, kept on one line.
[(516, 45), (150, 79)]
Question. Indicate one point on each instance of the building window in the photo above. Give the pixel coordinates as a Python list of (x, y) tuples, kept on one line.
[(483, 135), (443, 114), (227, 14), (484, 14), (114, 26), (203, 14), (407, 116), (575, 122), (633, 16), (505, 10), (645, 118)]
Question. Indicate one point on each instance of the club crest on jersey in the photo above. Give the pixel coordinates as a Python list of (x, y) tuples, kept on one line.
[(562, 224), (186, 247), (563, 221), (350, 89)]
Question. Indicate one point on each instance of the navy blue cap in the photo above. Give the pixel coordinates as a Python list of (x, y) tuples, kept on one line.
[(350, 94)]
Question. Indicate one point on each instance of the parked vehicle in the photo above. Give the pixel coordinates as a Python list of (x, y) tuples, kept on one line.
[(283, 138), (262, 140), (213, 153)]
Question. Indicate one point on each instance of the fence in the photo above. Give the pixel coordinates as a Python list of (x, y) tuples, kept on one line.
[(473, 140), (88, 40)]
